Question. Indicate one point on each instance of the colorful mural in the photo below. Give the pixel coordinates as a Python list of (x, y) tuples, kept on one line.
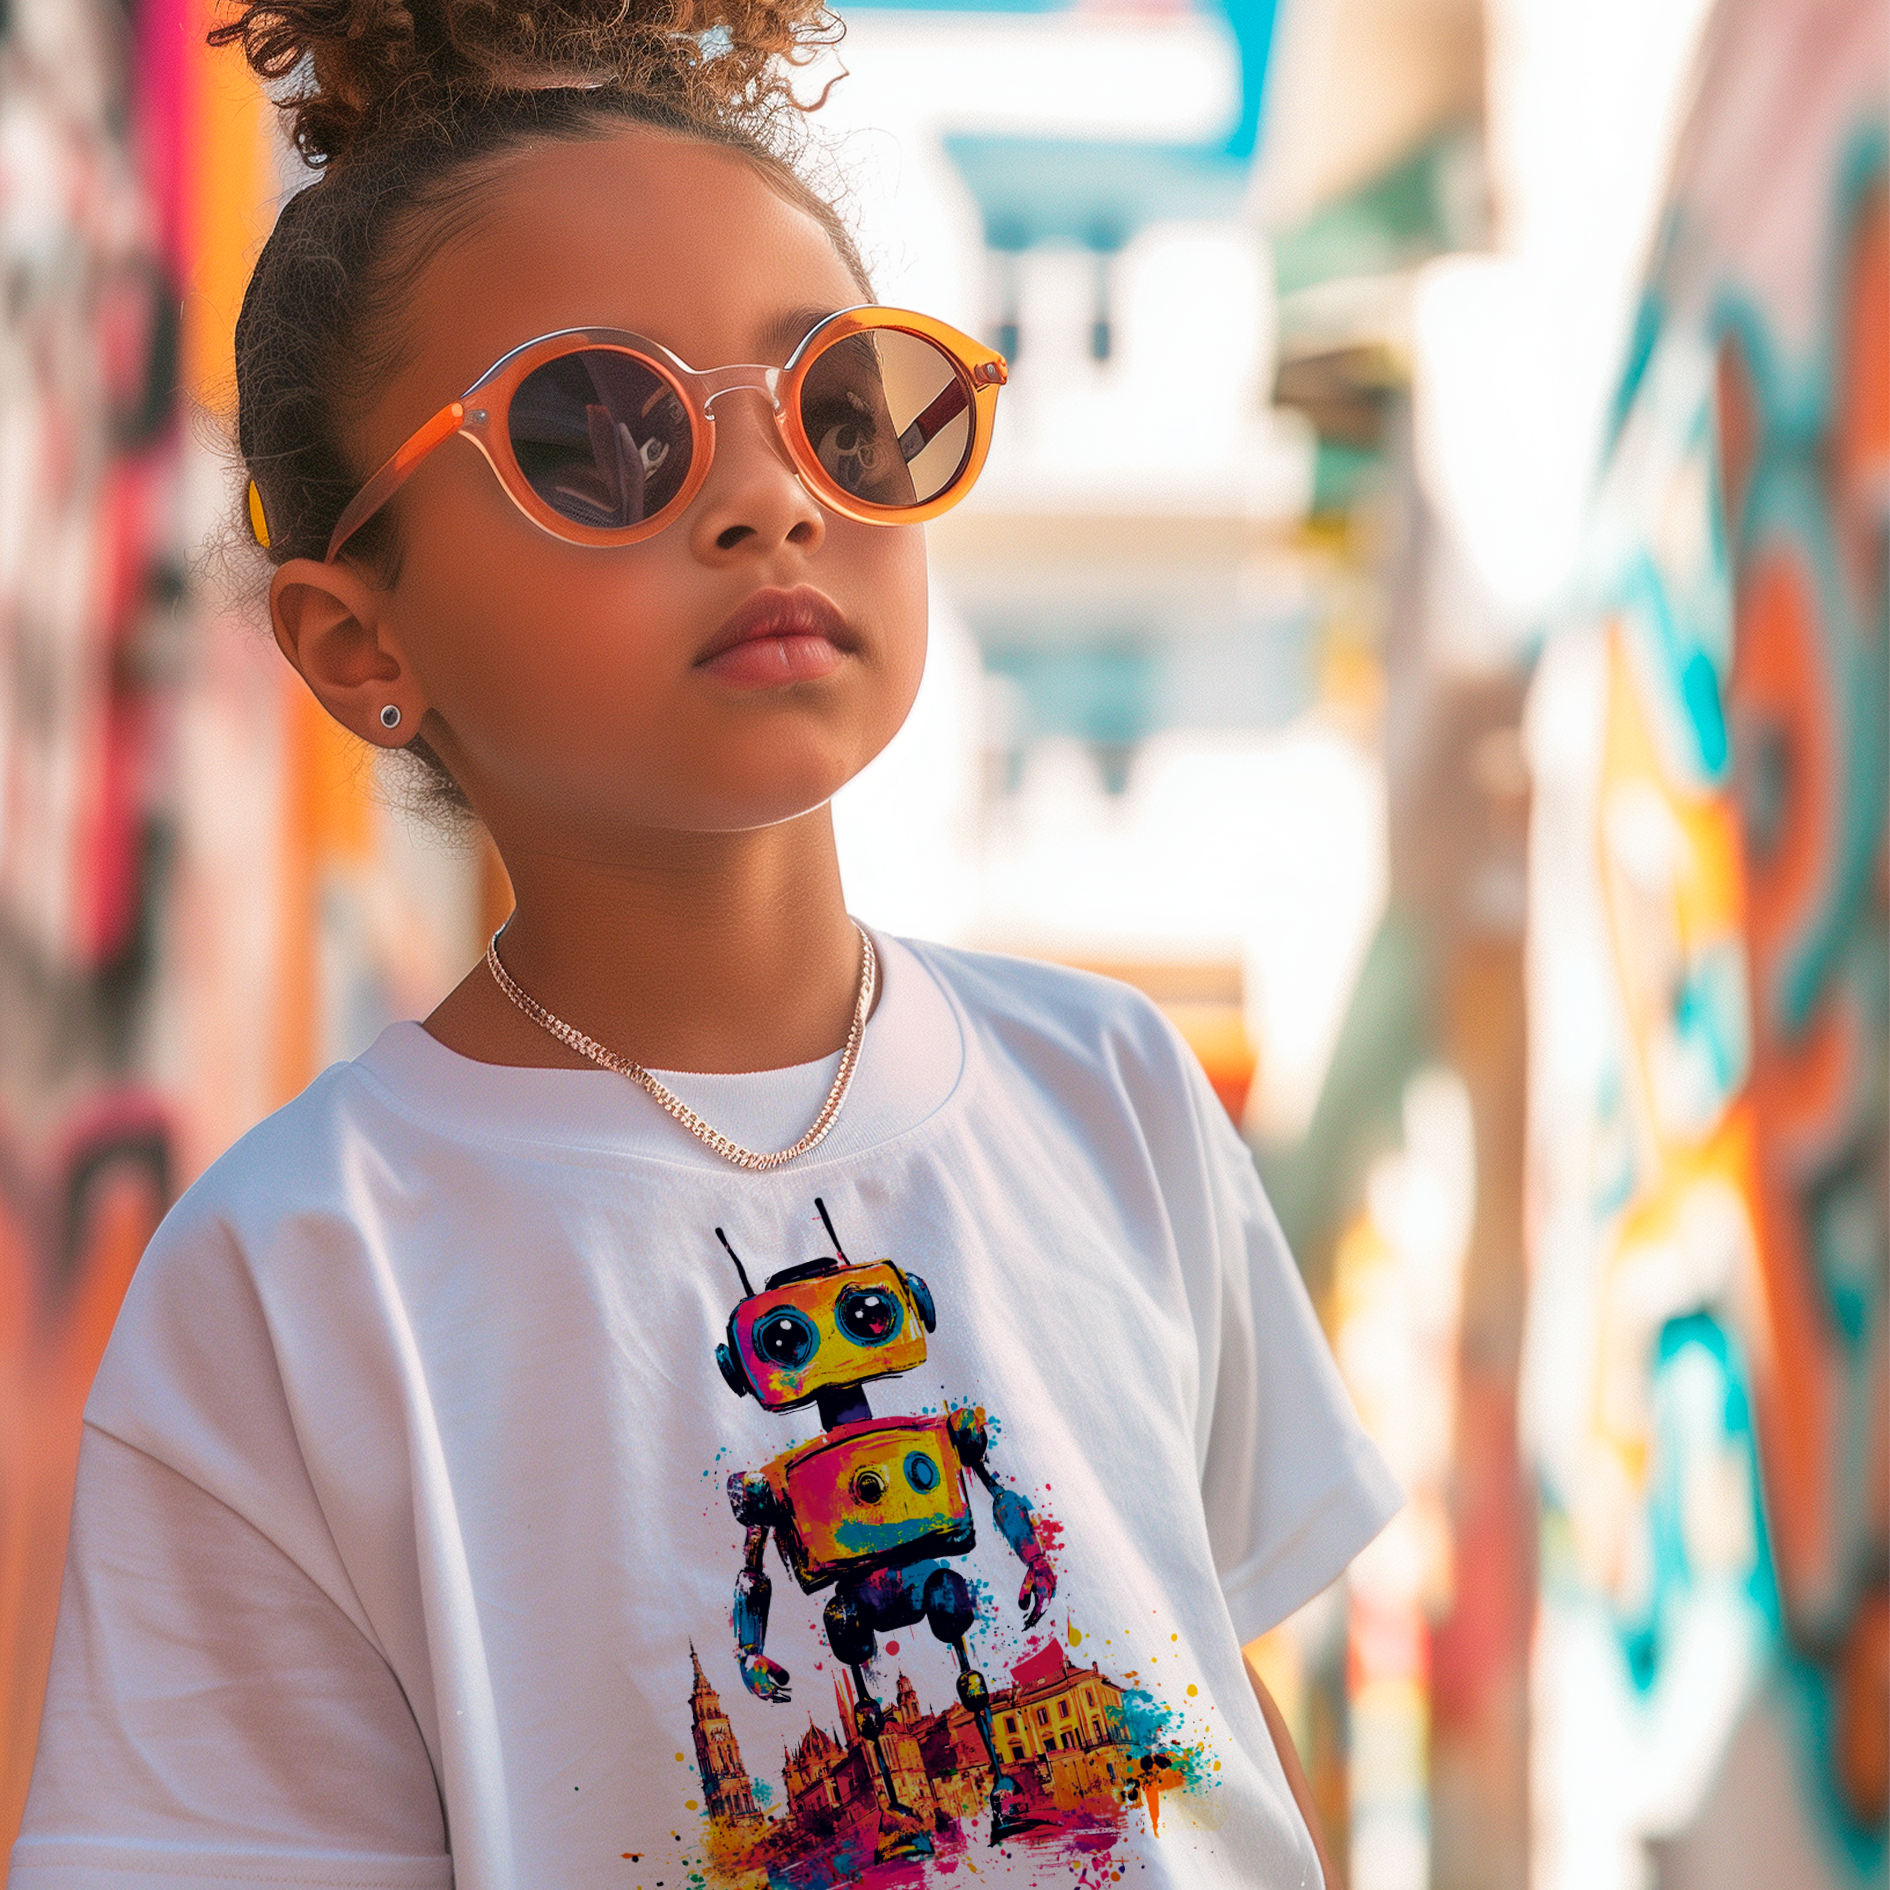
[(202, 897), (89, 459), (1711, 1011)]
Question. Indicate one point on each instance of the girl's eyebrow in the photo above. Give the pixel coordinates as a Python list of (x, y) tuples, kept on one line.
[(786, 332)]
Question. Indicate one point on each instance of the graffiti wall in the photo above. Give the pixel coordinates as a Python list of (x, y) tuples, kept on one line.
[(89, 460), (202, 896), (1710, 970)]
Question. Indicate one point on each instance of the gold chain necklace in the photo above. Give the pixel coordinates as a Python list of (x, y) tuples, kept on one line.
[(667, 1099)]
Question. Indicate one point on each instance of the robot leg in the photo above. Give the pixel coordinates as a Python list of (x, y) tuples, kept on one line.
[(850, 1635), (950, 1609)]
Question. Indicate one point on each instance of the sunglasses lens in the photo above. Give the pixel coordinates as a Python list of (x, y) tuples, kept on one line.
[(889, 416), (601, 437)]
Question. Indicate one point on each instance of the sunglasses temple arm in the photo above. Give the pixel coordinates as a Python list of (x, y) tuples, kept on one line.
[(394, 474)]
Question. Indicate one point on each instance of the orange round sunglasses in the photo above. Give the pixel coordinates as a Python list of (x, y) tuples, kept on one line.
[(602, 437)]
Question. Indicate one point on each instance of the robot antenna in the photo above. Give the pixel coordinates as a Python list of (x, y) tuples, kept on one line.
[(826, 1220), (748, 1292)]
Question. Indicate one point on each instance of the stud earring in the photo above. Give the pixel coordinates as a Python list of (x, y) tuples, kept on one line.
[(390, 717)]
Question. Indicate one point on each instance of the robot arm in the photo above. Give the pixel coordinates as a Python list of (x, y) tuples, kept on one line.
[(766, 1679), (1009, 1511), (1012, 1515)]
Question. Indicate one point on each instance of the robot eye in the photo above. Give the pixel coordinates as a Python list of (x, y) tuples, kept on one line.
[(869, 1315), (786, 1338)]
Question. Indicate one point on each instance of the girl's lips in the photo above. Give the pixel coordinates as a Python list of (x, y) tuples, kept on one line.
[(779, 637), (765, 662)]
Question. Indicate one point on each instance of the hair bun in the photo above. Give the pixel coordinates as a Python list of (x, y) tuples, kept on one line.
[(375, 67)]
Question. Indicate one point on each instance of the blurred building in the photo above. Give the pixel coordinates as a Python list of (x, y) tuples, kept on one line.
[(1710, 998)]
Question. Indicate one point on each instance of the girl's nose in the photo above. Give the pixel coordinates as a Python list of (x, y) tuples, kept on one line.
[(753, 501)]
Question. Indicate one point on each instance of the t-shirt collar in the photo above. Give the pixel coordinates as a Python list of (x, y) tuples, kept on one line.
[(912, 1057)]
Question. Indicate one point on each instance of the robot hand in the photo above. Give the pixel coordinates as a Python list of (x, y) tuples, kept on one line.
[(970, 1435), (1040, 1584), (766, 1679)]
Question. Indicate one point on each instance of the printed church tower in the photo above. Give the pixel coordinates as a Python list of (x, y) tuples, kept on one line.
[(726, 1790)]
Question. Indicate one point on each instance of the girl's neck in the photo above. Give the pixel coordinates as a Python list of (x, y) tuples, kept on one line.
[(723, 952)]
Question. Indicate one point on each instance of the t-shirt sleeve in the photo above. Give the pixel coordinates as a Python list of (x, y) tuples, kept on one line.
[(212, 1718), (1292, 1485), (220, 1711)]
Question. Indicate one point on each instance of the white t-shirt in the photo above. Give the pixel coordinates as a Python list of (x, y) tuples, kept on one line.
[(403, 1551)]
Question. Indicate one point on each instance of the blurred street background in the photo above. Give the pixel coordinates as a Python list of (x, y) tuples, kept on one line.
[(1424, 621)]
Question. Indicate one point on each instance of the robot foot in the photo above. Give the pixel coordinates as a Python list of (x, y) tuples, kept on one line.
[(1006, 1823), (902, 1837), (1008, 1816)]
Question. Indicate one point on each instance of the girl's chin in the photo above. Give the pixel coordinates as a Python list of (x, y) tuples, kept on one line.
[(722, 809), (736, 767)]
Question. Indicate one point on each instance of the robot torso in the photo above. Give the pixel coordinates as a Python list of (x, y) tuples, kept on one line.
[(867, 1496)]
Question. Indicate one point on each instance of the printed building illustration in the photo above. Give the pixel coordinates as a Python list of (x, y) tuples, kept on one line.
[(725, 1785), (1059, 1708), (1083, 1749)]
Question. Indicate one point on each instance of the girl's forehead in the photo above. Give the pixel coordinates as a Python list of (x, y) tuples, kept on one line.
[(686, 243)]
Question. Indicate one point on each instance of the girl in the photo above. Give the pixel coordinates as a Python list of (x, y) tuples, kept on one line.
[(858, 1459)]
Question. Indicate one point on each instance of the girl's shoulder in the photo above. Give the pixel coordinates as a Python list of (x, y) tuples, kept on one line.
[(273, 1223), (1000, 986), (298, 1154), (300, 1167), (1062, 1024)]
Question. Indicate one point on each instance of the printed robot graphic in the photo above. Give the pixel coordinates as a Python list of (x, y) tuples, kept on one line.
[(872, 1508)]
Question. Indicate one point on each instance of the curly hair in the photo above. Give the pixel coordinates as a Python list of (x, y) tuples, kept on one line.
[(407, 107), (381, 67)]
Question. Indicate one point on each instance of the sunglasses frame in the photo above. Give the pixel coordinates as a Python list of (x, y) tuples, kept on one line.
[(481, 414)]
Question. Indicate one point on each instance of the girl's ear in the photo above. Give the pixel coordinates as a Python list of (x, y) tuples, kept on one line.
[(331, 623)]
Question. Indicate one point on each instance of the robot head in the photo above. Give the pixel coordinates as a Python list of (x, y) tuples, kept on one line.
[(823, 1326)]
